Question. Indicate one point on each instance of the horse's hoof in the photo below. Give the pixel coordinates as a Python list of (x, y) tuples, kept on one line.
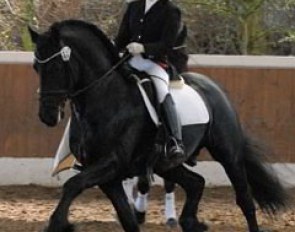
[(140, 216), (70, 228), (171, 223), (203, 226), (66, 228), (192, 225)]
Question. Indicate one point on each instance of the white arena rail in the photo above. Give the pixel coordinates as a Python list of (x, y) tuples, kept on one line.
[(235, 61)]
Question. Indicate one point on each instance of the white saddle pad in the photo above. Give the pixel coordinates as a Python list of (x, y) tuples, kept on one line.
[(190, 106)]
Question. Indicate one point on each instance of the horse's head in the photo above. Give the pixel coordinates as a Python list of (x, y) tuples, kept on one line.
[(70, 56), (52, 57)]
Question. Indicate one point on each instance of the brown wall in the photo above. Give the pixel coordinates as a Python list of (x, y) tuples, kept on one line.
[(265, 100), (21, 132)]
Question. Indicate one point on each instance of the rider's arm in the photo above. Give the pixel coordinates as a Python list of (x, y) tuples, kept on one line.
[(169, 35)]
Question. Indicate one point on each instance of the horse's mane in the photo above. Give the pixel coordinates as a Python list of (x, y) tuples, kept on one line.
[(59, 26)]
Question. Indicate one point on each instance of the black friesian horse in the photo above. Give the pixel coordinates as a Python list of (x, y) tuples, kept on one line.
[(117, 135)]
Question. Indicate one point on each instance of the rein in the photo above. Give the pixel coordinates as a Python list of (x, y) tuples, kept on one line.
[(65, 53), (113, 68)]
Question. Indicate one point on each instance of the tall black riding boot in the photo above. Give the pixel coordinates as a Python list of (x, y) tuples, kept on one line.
[(174, 146)]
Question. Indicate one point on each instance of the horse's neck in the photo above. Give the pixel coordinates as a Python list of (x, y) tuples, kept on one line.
[(95, 62), (104, 96)]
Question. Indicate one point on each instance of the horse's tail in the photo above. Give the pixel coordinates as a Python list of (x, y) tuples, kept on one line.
[(266, 187)]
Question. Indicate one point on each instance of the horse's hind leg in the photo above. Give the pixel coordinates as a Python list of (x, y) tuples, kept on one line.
[(116, 194), (170, 211), (169, 186), (141, 201), (235, 170), (237, 176), (193, 185)]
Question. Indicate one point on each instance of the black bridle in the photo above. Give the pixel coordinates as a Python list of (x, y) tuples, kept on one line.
[(65, 54)]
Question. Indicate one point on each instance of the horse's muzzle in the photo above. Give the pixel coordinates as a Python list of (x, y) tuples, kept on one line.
[(49, 115), (51, 112)]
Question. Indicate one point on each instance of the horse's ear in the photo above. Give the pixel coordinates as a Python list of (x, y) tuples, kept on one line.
[(34, 34)]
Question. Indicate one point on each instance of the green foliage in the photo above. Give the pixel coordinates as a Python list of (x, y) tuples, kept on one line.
[(28, 18)]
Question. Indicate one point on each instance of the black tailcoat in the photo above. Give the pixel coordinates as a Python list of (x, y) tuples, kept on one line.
[(157, 30)]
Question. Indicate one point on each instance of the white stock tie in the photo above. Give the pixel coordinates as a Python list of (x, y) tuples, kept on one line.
[(149, 4)]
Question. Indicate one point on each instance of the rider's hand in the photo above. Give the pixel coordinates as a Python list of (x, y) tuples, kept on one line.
[(135, 48)]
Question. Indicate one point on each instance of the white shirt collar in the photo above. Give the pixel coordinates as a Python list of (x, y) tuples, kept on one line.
[(149, 4)]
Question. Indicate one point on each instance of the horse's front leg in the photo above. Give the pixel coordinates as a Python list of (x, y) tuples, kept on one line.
[(115, 192), (141, 202), (88, 178)]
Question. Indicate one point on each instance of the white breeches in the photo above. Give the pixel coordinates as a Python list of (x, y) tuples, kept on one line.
[(158, 75)]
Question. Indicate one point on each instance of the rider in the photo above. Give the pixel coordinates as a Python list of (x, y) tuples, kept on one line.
[(149, 31)]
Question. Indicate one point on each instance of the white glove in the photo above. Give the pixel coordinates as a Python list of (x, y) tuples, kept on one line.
[(135, 48)]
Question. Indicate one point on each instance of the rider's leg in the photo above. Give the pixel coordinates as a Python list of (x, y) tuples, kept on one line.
[(160, 79), (170, 118), (169, 115)]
